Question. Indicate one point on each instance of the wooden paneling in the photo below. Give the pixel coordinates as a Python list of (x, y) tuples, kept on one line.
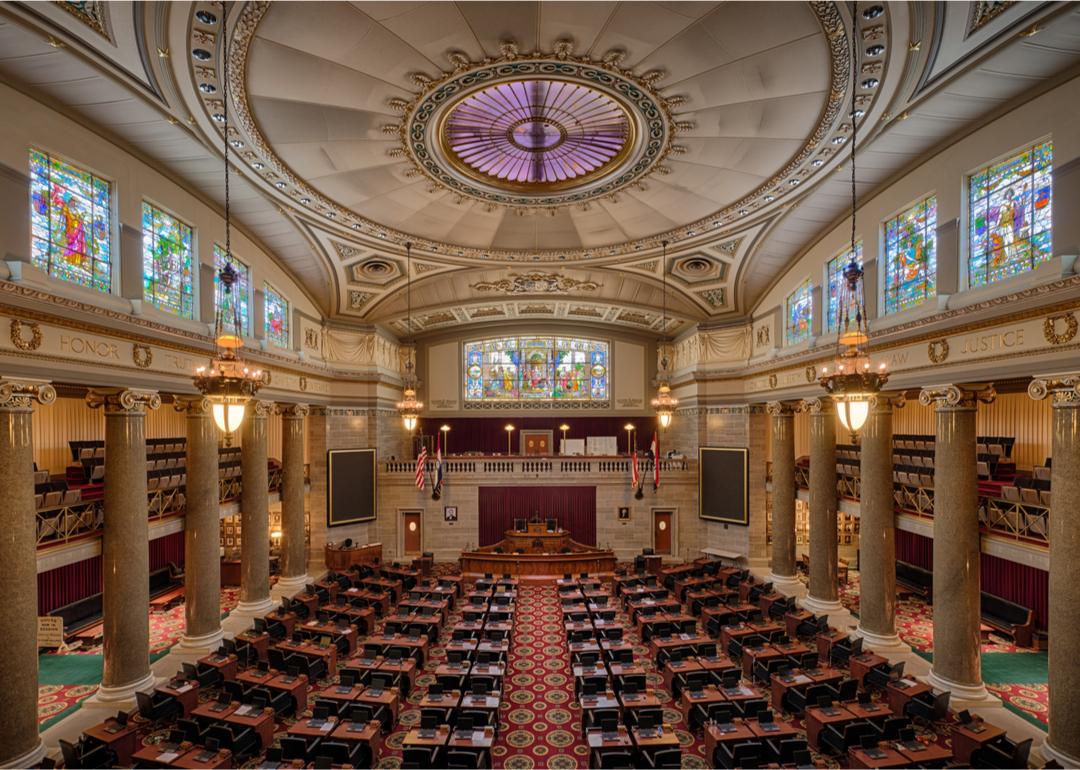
[(551, 564)]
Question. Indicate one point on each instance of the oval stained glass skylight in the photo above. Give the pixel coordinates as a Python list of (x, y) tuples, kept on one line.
[(537, 132)]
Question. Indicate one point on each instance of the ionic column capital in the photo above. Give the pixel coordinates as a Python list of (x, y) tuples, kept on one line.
[(818, 405), (886, 402), (957, 397), (123, 400), (293, 411), (1063, 388), (261, 409), (780, 408), (20, 395), (193, 406)]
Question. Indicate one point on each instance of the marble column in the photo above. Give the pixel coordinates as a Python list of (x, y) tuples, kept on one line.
[(782, 571), (125, 557), (956, 666), (20, 744), (823, 596), (202, 528), (254, 513), (877, 528), (1063, 740), (293, 538)]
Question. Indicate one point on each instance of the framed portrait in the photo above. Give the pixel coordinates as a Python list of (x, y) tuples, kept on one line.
[(450, 514), (228, 541), (624, 513)]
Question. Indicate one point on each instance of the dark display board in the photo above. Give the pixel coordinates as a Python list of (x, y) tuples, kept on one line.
[(723, 484), (350, 482)]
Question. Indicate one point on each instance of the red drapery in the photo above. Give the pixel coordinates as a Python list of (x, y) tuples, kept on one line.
[(167, 549), (573, 507), (914, 549), (70, 583), (1027, 586), (487, 435)]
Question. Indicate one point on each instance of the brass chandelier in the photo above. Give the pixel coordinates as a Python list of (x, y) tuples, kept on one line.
[(409, 407), (854, 379), (228, 382), (664, 404)]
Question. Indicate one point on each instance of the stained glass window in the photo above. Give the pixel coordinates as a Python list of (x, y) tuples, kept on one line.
[(1010, 216), (167, 280), (240, 292), (836, 284), (276, 310), (911, 256), (536, 368), (800, 313), (70, 228)]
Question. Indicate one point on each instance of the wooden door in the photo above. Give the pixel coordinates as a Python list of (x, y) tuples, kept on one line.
[(662, 532), (412, 526), (536, 442)]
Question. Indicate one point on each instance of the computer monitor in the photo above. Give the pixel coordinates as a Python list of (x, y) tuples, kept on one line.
[(464, 723), (479, 688), (429, 721), (646, 721), (552, 525)]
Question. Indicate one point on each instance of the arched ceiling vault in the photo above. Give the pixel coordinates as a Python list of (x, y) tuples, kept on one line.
[(535, 154)]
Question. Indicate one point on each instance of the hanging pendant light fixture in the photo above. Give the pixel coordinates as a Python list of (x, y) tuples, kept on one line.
[(408, 407), (664, 404), (855, 380), (227, 382)]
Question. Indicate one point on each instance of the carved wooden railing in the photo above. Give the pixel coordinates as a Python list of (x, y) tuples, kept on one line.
[(516, 466)]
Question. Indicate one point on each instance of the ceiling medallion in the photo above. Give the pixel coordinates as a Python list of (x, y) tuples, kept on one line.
[(535, 283), (539, 131)]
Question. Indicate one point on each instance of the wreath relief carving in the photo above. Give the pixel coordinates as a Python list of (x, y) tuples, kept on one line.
[(18, 337)]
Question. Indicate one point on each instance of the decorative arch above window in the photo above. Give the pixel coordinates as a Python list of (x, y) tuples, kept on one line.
[(835, 272), (911, 256), (70, 222), (1010, 216), (528, 369), (167, 249), (276, 310), (800, 314)]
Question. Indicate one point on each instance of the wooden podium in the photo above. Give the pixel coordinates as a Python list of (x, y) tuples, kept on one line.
[(536, 539), (339, 559)]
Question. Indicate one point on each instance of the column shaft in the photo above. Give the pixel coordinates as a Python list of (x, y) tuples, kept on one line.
[(823, 593), (254, 512), (124, 546), (783, 493), (20, 745), (1063, 739), (202, 528), (877, 530), (294, 541), (957, 666)]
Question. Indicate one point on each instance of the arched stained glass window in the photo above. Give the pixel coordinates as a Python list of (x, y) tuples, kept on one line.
[(1010, 216), (800, 314), (276, 310), (241, 289), (911, 256), (70, 222), (167, 247), (536, 369), (836, 284)]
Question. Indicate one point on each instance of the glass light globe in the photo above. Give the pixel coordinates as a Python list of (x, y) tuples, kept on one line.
[(853, 412), (228, 416)]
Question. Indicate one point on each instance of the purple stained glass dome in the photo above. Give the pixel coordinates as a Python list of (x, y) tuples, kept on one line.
[(537, 132)]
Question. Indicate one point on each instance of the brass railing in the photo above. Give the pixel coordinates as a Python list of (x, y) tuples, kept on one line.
[(1020, 521)]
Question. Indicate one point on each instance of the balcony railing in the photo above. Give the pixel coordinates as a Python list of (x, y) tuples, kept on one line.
[(516, 466), (1027, 522), (63, 524)]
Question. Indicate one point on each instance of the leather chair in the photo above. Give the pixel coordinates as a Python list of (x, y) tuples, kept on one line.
[(665, 758), (838, 738), (929, 707), (157, 707)]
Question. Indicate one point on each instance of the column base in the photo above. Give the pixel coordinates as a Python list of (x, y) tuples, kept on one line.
[(822, 606), (110, 696), (29, 759), (254, 609), (287, 586), (205, 643), (789, 585), (882, 642), (1063, 759), (965, 695)]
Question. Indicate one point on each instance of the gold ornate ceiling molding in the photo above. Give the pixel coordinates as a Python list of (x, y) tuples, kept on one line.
[(775, 195)]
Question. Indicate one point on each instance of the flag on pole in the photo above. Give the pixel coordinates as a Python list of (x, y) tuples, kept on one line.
[(635, 475), (655, 461), (421, 467), (436, 487)]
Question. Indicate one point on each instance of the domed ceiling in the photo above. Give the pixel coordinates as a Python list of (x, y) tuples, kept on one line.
[(539, 157)]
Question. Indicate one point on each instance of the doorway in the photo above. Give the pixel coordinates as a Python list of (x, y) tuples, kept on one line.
[(412, 528), (662, 521)]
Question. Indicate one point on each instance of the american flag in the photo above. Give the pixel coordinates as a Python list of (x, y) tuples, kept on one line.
[(635, 474), (421, 463), (656, 461)]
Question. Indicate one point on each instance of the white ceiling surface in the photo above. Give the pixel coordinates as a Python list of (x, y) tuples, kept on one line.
[(754, 75)]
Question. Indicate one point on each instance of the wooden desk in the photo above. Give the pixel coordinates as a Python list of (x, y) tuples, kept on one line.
[(967, 738), (751, 655), (477, 741), (226, 665), (860, 665), (709, 695), (793, 619), (678, 668), (313, 728), (296, 687), (447, 700), (899, 693), (597, 742), (160, 754), (192, 760), (825, 642), (584, 559), (122, 739), (340, 559), (536, 540), (666, 739), (605, 700), (892, 758), (388, 698), (186, 694), (776, 731), (930, 753), (311, 650), (435, 741), (260, 642), (816, 721), (716, 735), (357, 732), (261, 721)]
